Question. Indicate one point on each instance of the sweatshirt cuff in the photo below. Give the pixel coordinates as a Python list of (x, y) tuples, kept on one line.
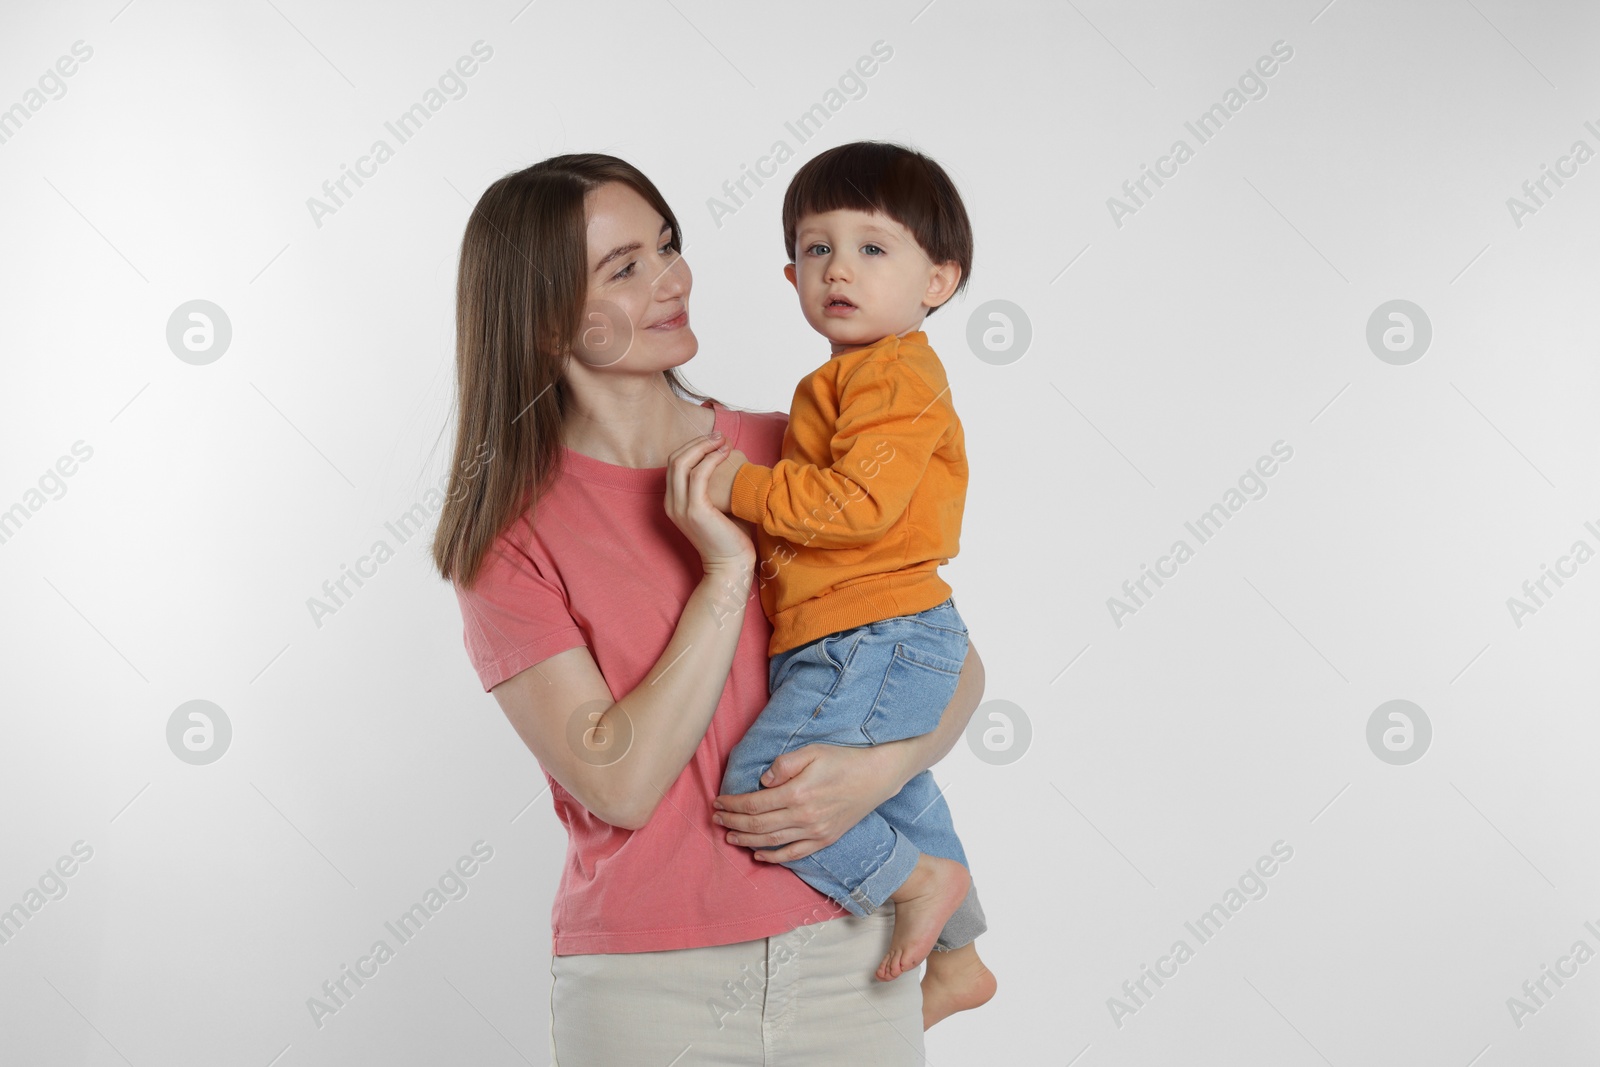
[(748, 497)]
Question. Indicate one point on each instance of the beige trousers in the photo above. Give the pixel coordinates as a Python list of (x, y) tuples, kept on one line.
[(807, 997)]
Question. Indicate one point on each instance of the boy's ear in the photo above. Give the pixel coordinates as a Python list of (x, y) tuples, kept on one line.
[(788, 272), (942, 283)]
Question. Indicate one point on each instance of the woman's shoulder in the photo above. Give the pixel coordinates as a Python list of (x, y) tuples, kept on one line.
[(758, 434)]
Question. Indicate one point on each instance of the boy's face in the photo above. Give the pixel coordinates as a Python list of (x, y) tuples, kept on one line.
[(861, 276)]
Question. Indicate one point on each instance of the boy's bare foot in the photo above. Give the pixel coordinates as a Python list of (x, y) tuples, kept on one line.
[(934, 891), (954, 981)]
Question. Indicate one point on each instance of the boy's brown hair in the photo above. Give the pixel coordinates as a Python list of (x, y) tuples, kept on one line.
[(895, 181)]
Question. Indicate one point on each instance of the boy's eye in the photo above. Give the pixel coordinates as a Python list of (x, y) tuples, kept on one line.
[(872, 250), (818, 249)]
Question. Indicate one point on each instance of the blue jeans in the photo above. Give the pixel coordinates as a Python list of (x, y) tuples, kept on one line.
[(878, 683)]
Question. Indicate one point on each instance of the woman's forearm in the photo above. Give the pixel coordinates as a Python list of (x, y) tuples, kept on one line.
[(666, 715)]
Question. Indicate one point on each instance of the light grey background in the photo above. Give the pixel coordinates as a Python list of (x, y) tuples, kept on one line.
[(1167, 354)]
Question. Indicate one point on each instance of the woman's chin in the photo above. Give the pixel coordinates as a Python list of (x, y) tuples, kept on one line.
[(673, 351)]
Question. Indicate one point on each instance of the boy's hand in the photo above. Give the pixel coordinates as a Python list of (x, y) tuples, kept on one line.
[(721, 488)]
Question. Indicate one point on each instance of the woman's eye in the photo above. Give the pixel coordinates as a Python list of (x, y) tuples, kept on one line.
[(628, 271)]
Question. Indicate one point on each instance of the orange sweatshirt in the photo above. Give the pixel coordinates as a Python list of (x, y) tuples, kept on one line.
[(854, 520)]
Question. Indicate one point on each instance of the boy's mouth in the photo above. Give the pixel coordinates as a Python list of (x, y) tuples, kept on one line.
[(837, 305)]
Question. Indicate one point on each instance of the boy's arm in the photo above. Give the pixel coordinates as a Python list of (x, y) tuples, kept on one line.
[(891, 420)]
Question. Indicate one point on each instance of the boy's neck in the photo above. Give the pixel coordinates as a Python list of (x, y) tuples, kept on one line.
[(839, 350)]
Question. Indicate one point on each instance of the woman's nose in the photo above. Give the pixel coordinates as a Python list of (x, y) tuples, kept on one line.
[(674, 278)]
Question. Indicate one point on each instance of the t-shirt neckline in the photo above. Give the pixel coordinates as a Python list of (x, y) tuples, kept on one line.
[(641, 479)]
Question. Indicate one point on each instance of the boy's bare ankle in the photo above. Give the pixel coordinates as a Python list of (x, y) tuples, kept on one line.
[(955, 981), (955, 959), (930, 872)]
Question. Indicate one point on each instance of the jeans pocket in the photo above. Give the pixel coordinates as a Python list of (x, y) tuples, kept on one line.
[(917, 686), (838, 648)]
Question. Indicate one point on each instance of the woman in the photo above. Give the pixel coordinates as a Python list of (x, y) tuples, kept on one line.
[(610, 610)]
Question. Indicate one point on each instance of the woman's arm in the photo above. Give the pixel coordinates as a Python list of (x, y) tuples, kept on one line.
[(818, 792), (617, 757)]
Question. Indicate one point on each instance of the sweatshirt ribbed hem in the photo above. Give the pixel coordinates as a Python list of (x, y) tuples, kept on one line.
[(858, 604)]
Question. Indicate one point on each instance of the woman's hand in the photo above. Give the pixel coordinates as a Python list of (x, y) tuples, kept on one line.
[(812, 796), (720, 489), (719, 540)]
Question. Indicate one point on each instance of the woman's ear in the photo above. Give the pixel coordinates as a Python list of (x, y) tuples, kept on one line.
[(788, 272), (942, 283)]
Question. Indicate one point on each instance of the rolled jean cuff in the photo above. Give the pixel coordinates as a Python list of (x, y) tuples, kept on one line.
[(964, 924), (868, 895)]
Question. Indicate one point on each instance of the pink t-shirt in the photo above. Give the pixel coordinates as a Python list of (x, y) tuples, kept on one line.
[(603, 566)]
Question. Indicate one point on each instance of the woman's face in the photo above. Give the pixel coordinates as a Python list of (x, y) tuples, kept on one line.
[(636, 314)]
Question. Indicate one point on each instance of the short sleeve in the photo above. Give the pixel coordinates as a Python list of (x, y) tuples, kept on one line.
[(515, 615)]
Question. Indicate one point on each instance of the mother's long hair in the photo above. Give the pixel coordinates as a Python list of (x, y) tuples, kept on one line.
[(520, 297)]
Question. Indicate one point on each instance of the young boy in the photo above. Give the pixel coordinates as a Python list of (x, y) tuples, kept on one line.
[(852, 525)]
